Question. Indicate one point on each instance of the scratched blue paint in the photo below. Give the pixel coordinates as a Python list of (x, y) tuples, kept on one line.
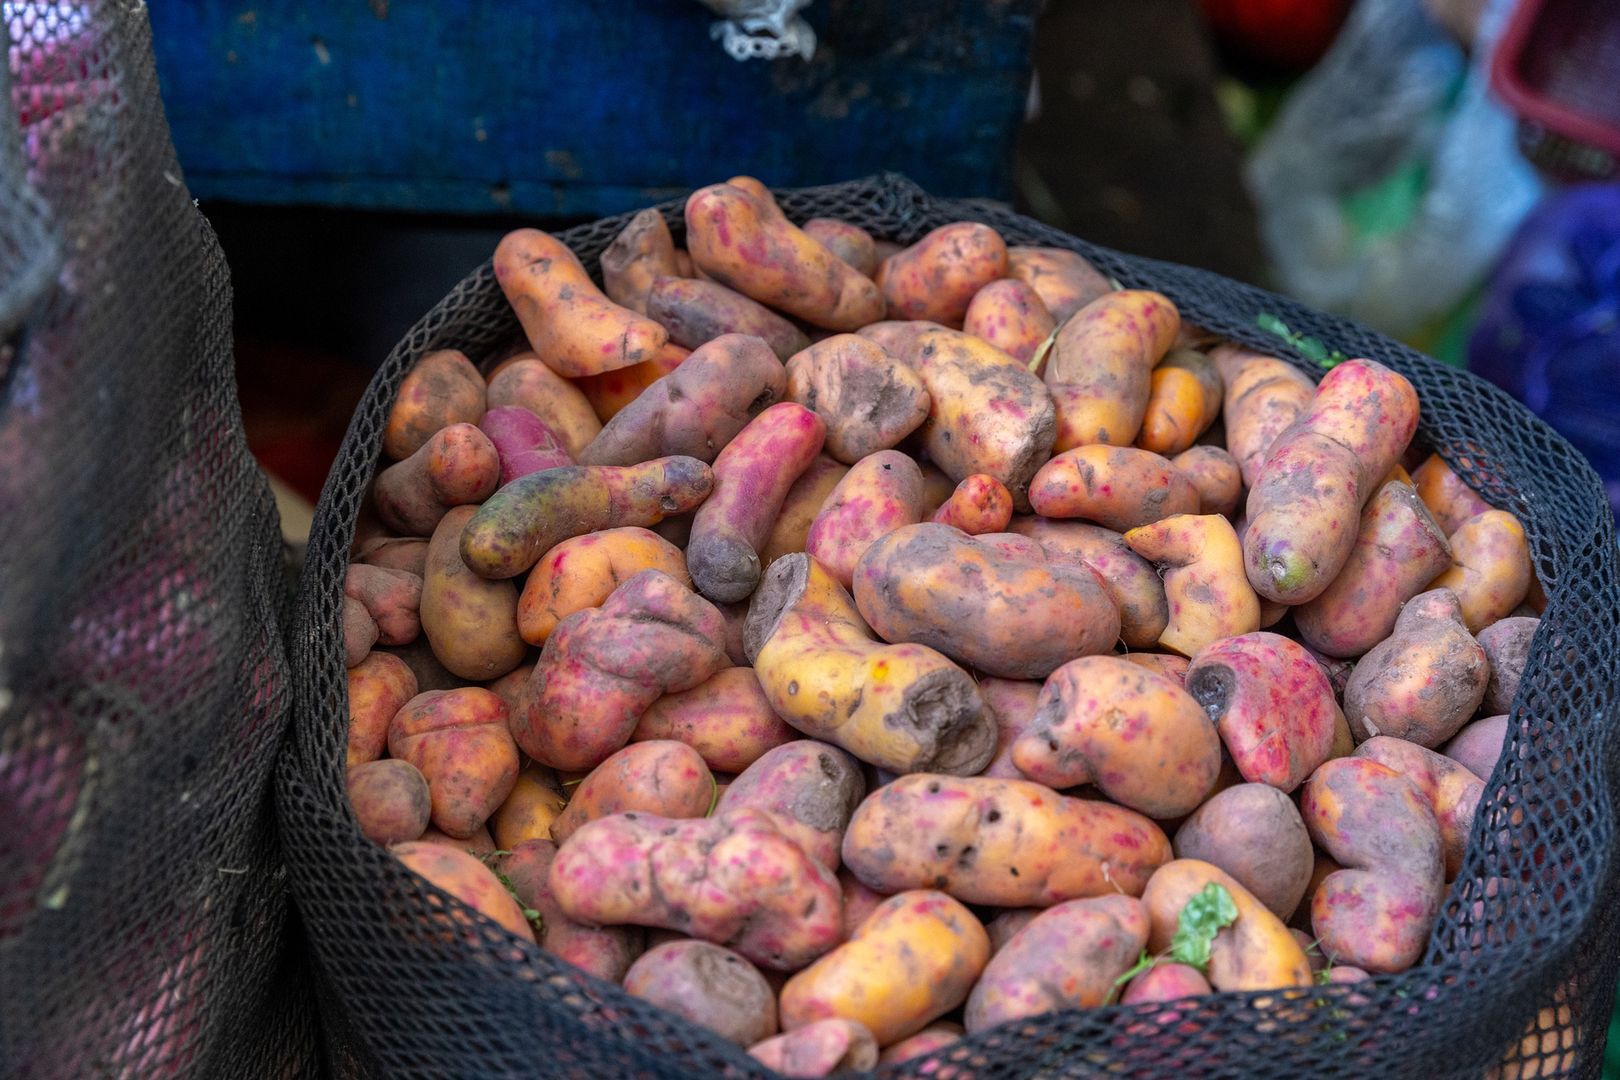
[(565, 107)]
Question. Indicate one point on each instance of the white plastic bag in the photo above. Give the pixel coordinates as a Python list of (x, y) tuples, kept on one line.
[(762, 29)]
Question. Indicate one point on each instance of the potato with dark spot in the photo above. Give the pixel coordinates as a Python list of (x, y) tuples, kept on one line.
[(850, 243), (642, 253), (1011, 843), (661, 777), (697, 312), (1254, 833), (379, 686), (1271, 703), (1099, 369), (906, 708), (1452, 790), (707, 985), (1063, 279), (1424, 681), (467, 879), (1491, 573), (1215, 475), (1204, 581), (1375, 913), (937, 277), (470, 621), (1478, 746), (1507, 648), (1256, 952), (603, 951), (527, 382), (390, 801), (1009, 315), (1118, 487), (459, 741), (810, 790), (1128, 579), (442, 389), (800, 507), (1067, 957), (1263, 397), (878, 495), (868, 400), (727, 719), (1140, 738)]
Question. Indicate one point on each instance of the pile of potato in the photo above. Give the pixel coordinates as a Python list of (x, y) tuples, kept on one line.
[(845, 647)]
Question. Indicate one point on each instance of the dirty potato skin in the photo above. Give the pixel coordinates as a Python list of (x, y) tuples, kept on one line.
[(1375, 913), (912, 961), (733, 879), (1452, 790), (1262, 398), (1009, 315), (696, 312), (906, 708), (1099, 369), (642, 253), (1424, 681), (933, 585), (727, 719), (1063, 279), (1271, 703), (470, 621), (879, 494), (1215, 475), (850, 243), (1067, 957), (980, 504), (696, 409), (379, 686), (661, 777), (810, 790), (1133, 733), (1205, 586), (459, 741), (573, 327), (1478, 746), (1011, 843), (583, 571), (603, 951), (1507, 648), (1129, 580), (1254, 833), (1118, 487), (390, 800), (526, 382), (867, 400), (443, 388), (936, 278), (1256, 952), (530, 808), (707, 985), (467, 879), (1491, 573)]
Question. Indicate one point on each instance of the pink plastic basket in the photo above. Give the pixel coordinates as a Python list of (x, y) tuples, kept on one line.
[(1558, 67)]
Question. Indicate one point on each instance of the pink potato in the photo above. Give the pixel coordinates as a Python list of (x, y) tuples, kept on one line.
[(379, 686), (878, 495), (390, 800), (1507, 650), (936, 1036), (1129, 580), (1118, 487), (1452, 790), (661, 777), (393, 599), (937, 277), (1254, 833), (1013, 702), (697, 312), (523, 441), (727, 719), (1063, 279), (457, 466), (980, 504), (603, 951), (1214, 473), (459, 741), (1166, 982), (465, 877), (707, 985), (867, 400), (1009, 315), (1478, 746), (443, 388), (851, 243), (818, 1049), (1424, 681)]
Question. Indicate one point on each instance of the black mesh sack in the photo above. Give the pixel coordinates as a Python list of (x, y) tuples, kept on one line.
[(1522, 961), (145, 923)]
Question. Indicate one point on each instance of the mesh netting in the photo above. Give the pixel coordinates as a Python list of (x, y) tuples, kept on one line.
[(1528, 936), (145, 925)]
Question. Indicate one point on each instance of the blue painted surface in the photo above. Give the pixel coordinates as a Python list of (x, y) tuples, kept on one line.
[(589, 107)]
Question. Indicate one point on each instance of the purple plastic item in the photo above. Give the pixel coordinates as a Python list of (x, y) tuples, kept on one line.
[(524, 441)]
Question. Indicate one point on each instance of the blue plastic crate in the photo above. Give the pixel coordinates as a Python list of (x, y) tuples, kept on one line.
[(578, 107)]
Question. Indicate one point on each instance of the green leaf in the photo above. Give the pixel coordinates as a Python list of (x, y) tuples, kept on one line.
[(1311, 349), (1273, 325), (1202, 918), (1143, 963)]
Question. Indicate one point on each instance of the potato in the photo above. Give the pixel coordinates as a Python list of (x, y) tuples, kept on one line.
[(1012, 703), (573, 327), (1128, 579), (1263, 397), (458, 465), (1184, 398), (733, 879), (443, 388), (878, 495), (611, 392), (1375, 913), (1271, 703), (1204, 581), (800, 507), (810, 790), (528, 811), (527, 382), (533, 514), (1100, 364), (661, 777), (1507, 649), (1256, 952), (980, 504), (1063, 279), (1448, 498), (642, 253), (1007, 923), (933, 585), (937, 277), (1424, 681), (1452, 790), (696, 312), (1478, 746), (1067, 957), (912, 961), (1170, 666), (1492, 573), (1254, 833), (390, 801), (459, 741), (818, 1049), (696, 409), (1318, 475), (727, 719), (859, 902), (379, 686), (900, 707), (480, 845), (850, 243), (1215, 475), (746, 244), (407, 553), (1398, 550), (604, 951), (393, 599), (470, 622), (1118, 487), (1133, 733), (1166, 982), (1009, 315), (868, 401), (523, 442), (603, 666), (468, 880), (583, 571), (706, 985), (936, 1036), (1012, 843), (429, 673)]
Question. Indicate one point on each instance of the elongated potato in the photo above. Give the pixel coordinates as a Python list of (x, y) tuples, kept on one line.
[(1452, 790), (612, 391), (1118, 487), (803, 502), (1424, 681), (459, 741), (1009, 315), (905, 708), (912, 961), (583, 571), (1263, 397), (642, 253), (1184, 398), (662, 777), (604, 951), (727, 719), (1204, 581), (746, 244), (696, 312), (1133, 733), (1011, 843), (1256, 952), (933, 585), (442, 389), (1254, 833), (879, 494), (850, 243), (470, 621), (1492, 573), (1099, 368), (527, 382), (937, 277), (1214, 473), (868, 401), (810, 790), (1128, 579), (1063, 279)]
